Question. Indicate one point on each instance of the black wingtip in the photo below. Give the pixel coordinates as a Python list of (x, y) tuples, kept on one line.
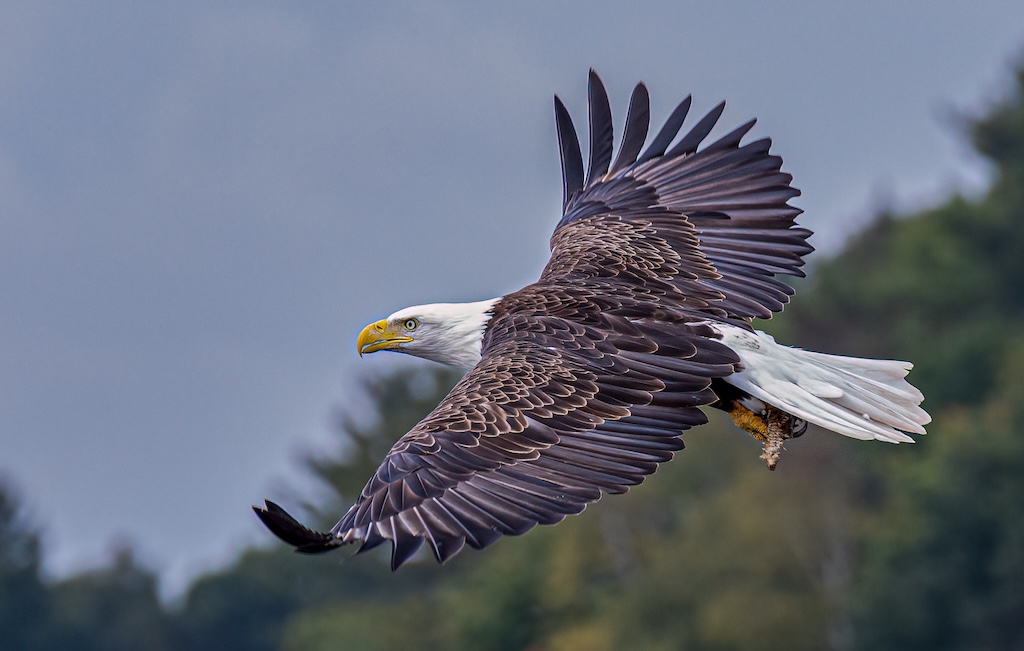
[(638, 120), (688, 144), (668, 131), (569, 149), (291, 531), (601, 138), (402, 549)]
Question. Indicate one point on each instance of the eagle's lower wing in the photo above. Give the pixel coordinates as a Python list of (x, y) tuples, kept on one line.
[(732, 198), (555, 413)]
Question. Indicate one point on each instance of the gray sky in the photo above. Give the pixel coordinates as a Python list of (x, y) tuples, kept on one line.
[(201, 203)]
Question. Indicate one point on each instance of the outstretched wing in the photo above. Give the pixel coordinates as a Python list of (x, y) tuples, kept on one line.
[(556, 412), (732, 197)]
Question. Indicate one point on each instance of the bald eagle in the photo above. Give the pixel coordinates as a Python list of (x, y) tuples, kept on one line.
[(583, 382)]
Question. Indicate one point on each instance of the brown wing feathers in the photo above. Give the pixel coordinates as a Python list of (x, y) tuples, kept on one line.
[(554, 415)]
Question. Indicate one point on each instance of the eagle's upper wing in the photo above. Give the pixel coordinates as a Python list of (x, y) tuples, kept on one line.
[(556, 412), (721, 212)]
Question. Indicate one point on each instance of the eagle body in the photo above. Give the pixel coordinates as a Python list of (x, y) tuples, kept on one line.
[(584, 381)]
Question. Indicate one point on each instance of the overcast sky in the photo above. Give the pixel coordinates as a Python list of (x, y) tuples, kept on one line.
[(201, 203)]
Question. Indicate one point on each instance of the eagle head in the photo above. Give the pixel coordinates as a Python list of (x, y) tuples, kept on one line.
[(449, 333)]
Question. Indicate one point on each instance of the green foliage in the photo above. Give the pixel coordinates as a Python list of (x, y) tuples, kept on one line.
[(940, 553), (999, 135), (112, 609), (945, 566), (108, 609)]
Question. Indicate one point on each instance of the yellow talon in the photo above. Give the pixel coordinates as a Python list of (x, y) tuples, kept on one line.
[(749, 422)]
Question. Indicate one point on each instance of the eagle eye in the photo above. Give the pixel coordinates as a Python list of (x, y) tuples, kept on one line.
[(410, 324)]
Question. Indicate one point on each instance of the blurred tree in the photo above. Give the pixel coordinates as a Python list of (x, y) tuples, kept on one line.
[(246, 605), (271, 599), (944, 565), (730, 556), (24, 602), (999, 134), (942, 527), (112, 609)]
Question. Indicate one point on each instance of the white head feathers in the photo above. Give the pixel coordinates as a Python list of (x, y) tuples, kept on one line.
[(449, 333)]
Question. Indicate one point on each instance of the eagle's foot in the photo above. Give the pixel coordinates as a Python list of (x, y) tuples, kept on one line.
[(772, 427), (750, 422)]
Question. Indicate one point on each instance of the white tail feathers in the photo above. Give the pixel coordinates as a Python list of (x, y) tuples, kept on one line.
[(862, 398)]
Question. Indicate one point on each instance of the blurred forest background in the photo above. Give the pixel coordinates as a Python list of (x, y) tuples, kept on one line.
[(847, 546)]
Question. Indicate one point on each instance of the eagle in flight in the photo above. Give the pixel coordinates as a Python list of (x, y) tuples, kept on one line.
[(583, 382)]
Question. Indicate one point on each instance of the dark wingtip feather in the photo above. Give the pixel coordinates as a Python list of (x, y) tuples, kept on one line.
[(569, 149), (697, 134), (371, 539), (638, 119), (668, 131), (733, 138), (403, 548), (291, 531), (445, 548), (601, 136)]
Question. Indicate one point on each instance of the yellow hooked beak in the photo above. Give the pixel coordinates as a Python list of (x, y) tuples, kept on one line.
[(380, 336)]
